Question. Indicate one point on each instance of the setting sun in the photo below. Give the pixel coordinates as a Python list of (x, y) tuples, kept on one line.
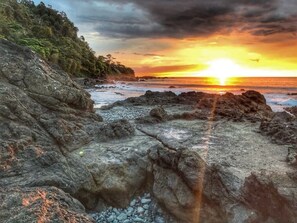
[(222, 69)]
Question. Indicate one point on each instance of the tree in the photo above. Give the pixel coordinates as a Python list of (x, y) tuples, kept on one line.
[(54, 37)]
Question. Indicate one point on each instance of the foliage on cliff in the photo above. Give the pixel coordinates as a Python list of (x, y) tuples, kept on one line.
[(54, 37)]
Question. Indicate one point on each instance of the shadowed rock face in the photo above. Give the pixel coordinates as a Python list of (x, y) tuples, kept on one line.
[(282, 128), (46, 204)]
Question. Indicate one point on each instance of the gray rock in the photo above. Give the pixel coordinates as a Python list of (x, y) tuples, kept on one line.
[(145, 201), (159, 220), (111, 218), (130, 211), (122, 217), (137, 219), (140, 210), (133, 202)]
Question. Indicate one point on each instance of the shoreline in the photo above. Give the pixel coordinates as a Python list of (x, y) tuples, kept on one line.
[(199, 156), (109, 93)]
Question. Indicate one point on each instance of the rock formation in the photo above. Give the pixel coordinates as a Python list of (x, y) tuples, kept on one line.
[(44, 116), (250, 105), (200, 155), (282, 128)]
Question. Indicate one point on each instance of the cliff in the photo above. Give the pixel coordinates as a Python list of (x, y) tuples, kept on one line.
[(54, 37)]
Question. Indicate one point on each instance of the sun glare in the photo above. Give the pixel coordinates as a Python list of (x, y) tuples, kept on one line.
[(222, 69)]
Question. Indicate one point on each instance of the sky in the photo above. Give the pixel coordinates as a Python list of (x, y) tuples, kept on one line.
[(191, 37)]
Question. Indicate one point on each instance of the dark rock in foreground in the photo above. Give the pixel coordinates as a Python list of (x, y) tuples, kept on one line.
[(43, 204), (44, 116)]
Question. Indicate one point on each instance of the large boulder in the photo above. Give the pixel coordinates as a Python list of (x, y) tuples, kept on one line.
[(187, 187), (120, 169)]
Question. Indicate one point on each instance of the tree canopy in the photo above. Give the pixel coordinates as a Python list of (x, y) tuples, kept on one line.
[(54, 37)]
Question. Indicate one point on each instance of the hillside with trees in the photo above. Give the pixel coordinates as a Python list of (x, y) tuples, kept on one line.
[(55, 38)]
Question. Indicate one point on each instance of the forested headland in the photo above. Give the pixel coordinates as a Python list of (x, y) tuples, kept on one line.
[(54, 37)]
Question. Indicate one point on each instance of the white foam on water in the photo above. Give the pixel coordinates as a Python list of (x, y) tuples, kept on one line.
[(279, 101)]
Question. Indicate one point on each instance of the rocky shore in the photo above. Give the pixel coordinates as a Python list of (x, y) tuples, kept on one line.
[(160, 157), (141, 209)]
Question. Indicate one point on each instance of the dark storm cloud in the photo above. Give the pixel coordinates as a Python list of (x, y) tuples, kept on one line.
[(186, 18)]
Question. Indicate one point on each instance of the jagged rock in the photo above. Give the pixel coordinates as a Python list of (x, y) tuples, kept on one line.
[(149, 98), (44, 116), (255, 96), (116, 130), (156, 115), (292, 110), (250, 105), (187, 187), (282, 128), (194, 191), (263, 193), (186, 168), (45, 204)]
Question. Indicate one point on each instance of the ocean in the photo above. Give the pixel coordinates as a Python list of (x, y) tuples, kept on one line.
[(278, 91)]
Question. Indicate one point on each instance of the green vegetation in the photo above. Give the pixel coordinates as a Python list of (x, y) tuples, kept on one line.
[(54, 37)]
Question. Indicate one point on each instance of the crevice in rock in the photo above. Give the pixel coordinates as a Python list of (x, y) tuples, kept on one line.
[(157, 138)]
